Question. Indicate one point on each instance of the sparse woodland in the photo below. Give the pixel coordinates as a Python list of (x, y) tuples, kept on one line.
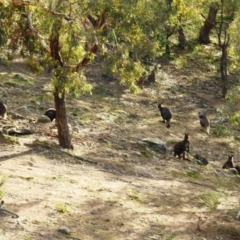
[(107, 168)]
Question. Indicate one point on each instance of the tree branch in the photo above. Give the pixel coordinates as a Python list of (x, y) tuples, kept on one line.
[(100, 23), (43, 6), (41, 39), (203, 16), (87, 57)]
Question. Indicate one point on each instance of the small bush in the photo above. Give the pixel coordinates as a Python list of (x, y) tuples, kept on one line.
[(210, 200), (1, 193), (2, 180), (34, 65), (62, 208), (222, 131), (193, 174)]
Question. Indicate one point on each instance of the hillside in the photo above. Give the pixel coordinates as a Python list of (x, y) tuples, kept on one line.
[(115, 187)]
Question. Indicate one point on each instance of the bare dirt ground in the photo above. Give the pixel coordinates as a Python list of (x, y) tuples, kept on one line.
[(119, 189)]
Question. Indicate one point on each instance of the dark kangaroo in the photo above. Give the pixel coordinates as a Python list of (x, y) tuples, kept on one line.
[(51, 113), (181, 147), (230, 164), (204, 122), (166, 114), (3, 110)]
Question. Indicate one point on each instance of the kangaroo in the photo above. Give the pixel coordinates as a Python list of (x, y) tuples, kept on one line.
[(204, 122), (181, 147), (230, 164), (166, 114), (51, 113), (3, 110)]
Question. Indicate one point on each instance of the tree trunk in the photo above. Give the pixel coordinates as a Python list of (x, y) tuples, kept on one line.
[(208, 25), (181, 38), (167, 49), (223, 69), (64, 137), (169, 33), (223, 43)]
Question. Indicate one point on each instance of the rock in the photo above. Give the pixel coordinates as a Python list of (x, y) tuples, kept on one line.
[(192, 171), (174, 89), (233, 170), (19, 76), (200, 160), (4, 138), (36, 102), (16, 115), (43, 119), (20, 131), (138, 153), (16, 131), (125, 155), (75, 129), (31, 119), (154, 143), (64, 229), (5, 129), (4, 94)]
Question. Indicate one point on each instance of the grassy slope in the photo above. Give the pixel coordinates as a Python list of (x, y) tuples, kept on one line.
[(131, 192)]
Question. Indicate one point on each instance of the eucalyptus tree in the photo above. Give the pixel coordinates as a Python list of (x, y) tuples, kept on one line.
[(61, 29), (235, 40), (232, 107), (182, 20), (227, 11), (14, 34), (209, 23)]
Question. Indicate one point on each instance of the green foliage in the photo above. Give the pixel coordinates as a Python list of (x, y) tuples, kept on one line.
[(231, 109), (193, 174), (235, 118), (3, 179), (1, 193), (28, 238), (211, 200), (62, 208), (180, 62), (235, 41), (133, 37), (8, 139), (66, 80), (73, 39), (34, 65), (130, 72), (222, 131)]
